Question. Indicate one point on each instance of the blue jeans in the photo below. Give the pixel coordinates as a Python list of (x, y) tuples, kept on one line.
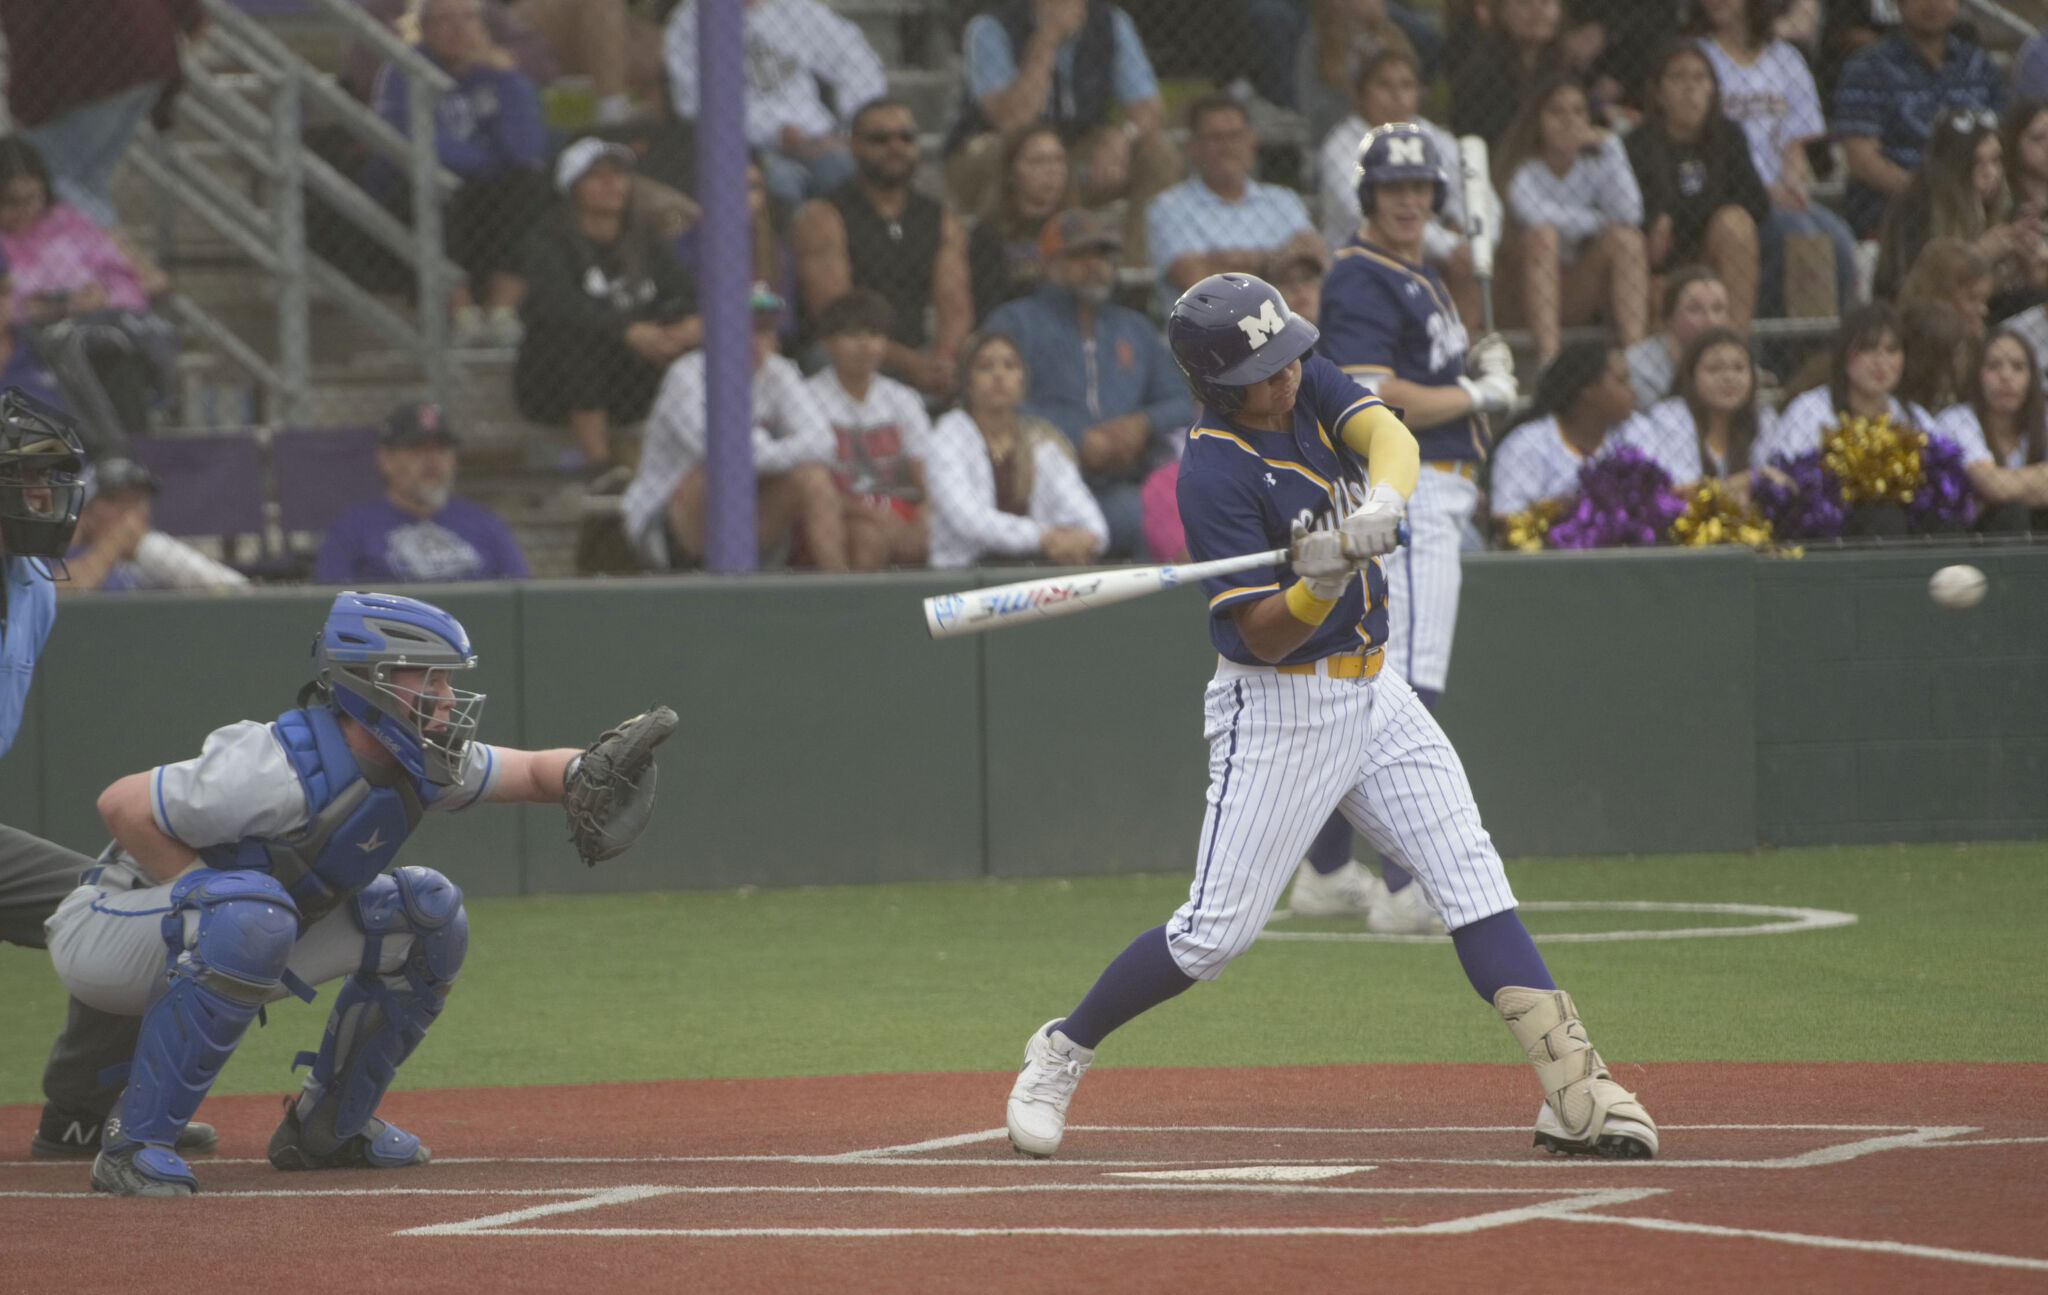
[(1816, 219), (794, 179), (82, 146)]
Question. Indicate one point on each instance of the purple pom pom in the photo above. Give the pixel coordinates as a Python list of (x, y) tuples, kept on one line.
[(1624, 499), (1943, 502), (1802, 502)]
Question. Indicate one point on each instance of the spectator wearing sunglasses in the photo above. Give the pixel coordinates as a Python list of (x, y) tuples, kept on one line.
[(876, 231), (1892, 91)]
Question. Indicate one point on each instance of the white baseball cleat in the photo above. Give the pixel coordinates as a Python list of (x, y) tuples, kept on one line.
[(1347, 892), (1584, 1113), (1401, 912), (1053, 1066)]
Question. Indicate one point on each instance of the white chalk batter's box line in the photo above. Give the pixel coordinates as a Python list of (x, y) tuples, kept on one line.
[(1269, 1176)]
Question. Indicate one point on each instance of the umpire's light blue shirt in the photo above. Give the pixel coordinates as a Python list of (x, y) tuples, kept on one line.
[(1128, 371), (31, 610)]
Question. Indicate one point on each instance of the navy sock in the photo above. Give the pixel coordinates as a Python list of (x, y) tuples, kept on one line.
[(1393, 874), (1497, 951), (1142, 977), (1331, 849)]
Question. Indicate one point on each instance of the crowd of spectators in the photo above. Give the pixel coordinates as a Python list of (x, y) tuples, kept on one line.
[(956, 343)]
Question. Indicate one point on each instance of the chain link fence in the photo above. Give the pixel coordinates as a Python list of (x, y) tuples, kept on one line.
[(922, 176)]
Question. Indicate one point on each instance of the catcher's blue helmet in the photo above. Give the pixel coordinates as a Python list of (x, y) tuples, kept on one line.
[(1230, 331), (1397, 151), (368, 636)]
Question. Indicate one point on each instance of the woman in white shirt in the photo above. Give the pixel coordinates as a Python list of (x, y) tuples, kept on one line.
[(2001, 426), (1581, 398), (1003, 484), (1870, 356), (1574, 198), (1388, 89), (1767, 89), (1710, 426)]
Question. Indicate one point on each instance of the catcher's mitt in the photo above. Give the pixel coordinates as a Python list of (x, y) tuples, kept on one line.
[(608, 791)]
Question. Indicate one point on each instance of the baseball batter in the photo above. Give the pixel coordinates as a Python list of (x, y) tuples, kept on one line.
[(41, 491), (257, 869), (1389, 322), (1301, 719)]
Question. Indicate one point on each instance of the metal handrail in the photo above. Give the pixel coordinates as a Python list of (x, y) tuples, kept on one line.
[(1998, 13)]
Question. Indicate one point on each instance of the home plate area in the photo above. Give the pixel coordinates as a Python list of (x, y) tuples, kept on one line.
[(1800, 1175)]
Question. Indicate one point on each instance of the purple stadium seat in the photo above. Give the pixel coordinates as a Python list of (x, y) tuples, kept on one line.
[(211, 485), (321, 471)]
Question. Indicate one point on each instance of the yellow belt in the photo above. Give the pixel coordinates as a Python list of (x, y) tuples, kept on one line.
[(1465, 468), (1349, 665)]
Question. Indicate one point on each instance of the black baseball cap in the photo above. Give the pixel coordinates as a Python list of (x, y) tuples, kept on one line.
[(421, 423)]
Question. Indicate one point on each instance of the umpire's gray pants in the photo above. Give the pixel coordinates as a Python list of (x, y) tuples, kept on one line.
[(35, 875)]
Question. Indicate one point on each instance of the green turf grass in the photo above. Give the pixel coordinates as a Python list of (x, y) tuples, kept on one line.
[(1945, 964)]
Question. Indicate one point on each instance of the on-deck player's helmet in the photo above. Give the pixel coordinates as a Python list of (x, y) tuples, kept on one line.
[(366, 639), (1397, 151), (1231, 330), (41, 489)]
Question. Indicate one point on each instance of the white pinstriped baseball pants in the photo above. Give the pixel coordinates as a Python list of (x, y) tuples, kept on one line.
[(1286, 749), (1424, 576)]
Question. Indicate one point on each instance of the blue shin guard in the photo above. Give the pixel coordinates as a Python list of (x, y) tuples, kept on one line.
[(378, 1019), (228, 936)]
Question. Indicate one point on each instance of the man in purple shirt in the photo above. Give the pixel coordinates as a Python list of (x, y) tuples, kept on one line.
[(418, 530)]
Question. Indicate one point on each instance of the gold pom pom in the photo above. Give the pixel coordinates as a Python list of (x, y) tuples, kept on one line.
[(1713, 515), (1528, 530), (1875, 460)]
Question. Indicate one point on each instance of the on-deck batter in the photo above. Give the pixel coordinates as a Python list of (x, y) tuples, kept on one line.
[(1301, 720), (1389, 322)]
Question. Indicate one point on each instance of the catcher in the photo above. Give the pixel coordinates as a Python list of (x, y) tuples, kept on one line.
[(260, 869)]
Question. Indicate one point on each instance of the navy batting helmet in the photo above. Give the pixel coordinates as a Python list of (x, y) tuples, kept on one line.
[(1230, 331), (1397, 151)]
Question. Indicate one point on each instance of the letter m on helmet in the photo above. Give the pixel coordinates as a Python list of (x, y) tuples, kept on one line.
[(1406, 150), (1260, 328)]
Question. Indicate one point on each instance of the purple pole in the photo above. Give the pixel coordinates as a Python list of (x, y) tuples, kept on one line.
[(725, 285)]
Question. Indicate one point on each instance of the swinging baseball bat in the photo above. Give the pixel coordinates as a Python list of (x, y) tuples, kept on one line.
[(973, 610), (1472, 168)]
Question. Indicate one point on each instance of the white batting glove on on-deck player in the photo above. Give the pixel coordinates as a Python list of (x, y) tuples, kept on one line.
[(1492, 393), (1318, 558), (1490, 357), (1375, 528)]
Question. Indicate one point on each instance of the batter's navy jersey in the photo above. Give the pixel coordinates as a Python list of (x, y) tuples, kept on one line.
[(1241, 490), (1384, 317)]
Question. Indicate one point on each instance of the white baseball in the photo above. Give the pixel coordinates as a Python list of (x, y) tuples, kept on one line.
[(1957, 587)]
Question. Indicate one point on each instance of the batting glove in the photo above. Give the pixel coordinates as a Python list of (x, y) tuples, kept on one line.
[(1491, 393), (1490, 357), (1375, 528), (1318, 558)]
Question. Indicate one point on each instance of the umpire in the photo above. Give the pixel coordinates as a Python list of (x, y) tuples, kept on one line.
[(41, 491)]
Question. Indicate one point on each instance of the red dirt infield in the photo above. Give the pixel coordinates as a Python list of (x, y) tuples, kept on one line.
[(1850, 1176)]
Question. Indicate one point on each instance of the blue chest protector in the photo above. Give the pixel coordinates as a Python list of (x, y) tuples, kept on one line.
[(361, 815)]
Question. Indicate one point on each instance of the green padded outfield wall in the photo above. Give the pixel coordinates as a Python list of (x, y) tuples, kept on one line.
[(1881, 717), (1603, 703)]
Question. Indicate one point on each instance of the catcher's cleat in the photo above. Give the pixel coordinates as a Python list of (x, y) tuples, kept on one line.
[(139, 1169), (378, 1146), (1585, 1113), (66, 1135)]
